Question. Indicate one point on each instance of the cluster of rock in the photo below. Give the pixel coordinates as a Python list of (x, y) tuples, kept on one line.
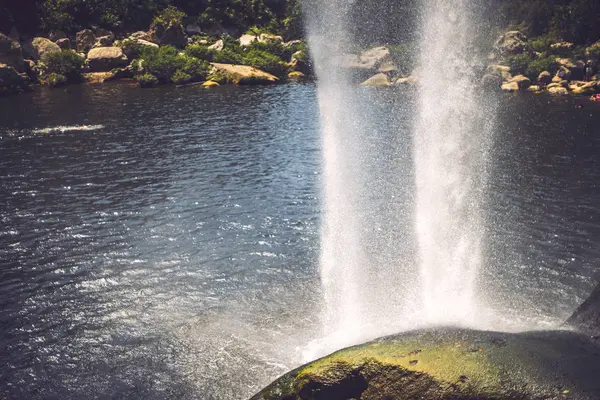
[(108, 57), (571, 77)]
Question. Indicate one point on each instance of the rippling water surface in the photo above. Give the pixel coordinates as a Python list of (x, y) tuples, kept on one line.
[(164, 243)]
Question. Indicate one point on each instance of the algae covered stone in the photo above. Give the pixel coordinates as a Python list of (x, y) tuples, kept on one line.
[(451, 364)]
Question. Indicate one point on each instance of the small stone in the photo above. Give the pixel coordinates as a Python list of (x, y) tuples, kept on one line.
[(413, 362)]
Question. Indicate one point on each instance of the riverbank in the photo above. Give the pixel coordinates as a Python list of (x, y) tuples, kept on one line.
[(166, 53)]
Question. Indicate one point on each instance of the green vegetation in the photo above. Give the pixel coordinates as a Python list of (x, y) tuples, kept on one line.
[(146, 80), (54, 80), (58, 65), (31, 16), (167, 65), (576, 21), (532, 66)]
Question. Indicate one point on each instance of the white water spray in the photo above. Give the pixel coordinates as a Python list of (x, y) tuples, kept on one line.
[(365, 299), (450, 144)]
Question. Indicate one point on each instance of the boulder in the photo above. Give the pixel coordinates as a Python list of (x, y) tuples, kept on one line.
[(557, 91), (97, 77), (491, 81), (544, 78), (509, 44), (373, 58), (11, 81), (210, 84), (585, 88), (587, 317), (510, 87), (534, 89), (502, 71), (57, 35), (64, 44), (102, 59), (85, 40), (296, 76), (266, 38), (11, 53), (448, 363), (380, 79), (521, 80), (37, 47), (142, 35), (104, 41), (410, 80), (243, 74), (246, 40), (218, 46), (171, 35), (565, 62)]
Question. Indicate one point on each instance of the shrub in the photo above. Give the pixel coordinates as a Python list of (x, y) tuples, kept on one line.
[(226, 56), (272, 47), (197, 69), (162, 62), (55, 80), (266, 61), (146, 80), (66, 63), (168, 17), (542, 44), (531, 66), (180, 77), (200, 52), (131, 48)]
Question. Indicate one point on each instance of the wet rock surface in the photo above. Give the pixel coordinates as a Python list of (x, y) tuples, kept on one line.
[(451, 364)]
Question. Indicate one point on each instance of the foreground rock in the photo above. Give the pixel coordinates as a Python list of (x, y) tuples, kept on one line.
[(241, 75), (103, 59), (587, 317), (451, 364)]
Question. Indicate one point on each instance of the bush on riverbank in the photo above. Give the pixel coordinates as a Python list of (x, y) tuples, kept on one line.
[(167, 65), (65, 63), (532, 66)]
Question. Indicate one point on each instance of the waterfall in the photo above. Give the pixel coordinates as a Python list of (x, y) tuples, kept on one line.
[(451, 136), (362, 299)]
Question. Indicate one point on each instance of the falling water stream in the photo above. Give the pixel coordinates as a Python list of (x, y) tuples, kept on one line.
[(437, 284)]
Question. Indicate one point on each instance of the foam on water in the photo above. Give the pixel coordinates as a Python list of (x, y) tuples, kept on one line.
[(68, 128)]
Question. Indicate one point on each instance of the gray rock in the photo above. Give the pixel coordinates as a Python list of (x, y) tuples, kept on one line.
[(103, 59), (104, 41), (37, 47), (587, 317), (218, 46), (11, 53), (64, 44), (511, 43), (11, 81), (85, 40)]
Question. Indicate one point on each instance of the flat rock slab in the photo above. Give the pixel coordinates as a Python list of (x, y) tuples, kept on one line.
[(451, 364), (244, 74)]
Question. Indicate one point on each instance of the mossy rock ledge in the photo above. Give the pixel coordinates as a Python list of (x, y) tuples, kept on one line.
[(451, 364)]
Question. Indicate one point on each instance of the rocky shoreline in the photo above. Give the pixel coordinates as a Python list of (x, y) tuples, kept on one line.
[(167, 53)]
